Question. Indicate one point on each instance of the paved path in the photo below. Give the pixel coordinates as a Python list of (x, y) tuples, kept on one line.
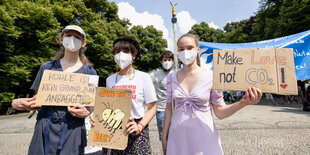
[(256, 129)]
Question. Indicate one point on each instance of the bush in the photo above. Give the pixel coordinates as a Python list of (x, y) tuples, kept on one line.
[(5, 101)]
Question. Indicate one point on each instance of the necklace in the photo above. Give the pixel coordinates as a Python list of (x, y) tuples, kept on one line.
[(131, 74)]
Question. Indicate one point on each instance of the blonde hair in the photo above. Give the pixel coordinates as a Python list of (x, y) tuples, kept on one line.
[(196, 39), (61, 53)]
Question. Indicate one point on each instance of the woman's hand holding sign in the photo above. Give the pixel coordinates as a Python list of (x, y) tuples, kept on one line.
[(252, 96), (79, 111), (25, 104)]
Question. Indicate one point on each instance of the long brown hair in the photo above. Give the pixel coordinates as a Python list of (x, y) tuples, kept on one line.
[(196, 39), (61, 53)]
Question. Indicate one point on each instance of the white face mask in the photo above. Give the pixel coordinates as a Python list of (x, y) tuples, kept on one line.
[(123, 59), (72, 43), (187, 56), (167, 65)]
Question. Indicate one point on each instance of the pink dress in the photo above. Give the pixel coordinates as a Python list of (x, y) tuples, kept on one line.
[(192, 130)]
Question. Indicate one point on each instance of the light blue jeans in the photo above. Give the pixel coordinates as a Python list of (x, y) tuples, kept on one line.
[(160, 115)]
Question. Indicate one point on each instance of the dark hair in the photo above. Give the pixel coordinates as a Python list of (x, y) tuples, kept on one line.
[(166, 54), (128, 44), (196, 39)]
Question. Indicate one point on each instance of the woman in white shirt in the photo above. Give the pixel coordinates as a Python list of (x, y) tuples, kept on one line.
[(126, 50)]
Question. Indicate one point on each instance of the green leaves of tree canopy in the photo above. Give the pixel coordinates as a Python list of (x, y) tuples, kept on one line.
[(278, 18), (152, 43), (29, 32), (207, 33), (275, 18)]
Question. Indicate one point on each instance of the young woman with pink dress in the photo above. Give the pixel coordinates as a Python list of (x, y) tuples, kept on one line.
[(189, 128)]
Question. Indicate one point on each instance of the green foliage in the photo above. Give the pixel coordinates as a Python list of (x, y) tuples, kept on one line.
[(152, 43), (275, 18), (278, 18), (207, 33), (238, 32), (30, 30), (5, 100)]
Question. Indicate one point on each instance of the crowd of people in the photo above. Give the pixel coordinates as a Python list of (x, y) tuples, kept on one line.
[(276, 99)]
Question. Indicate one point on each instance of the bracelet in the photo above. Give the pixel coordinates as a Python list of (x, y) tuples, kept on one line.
[(142, 127)]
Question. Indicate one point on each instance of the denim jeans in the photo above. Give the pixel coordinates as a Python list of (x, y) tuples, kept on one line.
[(160, 122)]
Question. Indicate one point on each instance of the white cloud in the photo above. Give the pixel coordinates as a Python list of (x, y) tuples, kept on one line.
[(185, 21), (125, 10), (213, 25)]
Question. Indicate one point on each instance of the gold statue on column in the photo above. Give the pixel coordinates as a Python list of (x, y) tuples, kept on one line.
[(173, 8)]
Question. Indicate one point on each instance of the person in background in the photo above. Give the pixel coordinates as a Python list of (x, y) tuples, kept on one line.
[(188, 124), (159, 80), (279, 99), (289, 99), (238, 95), (230, 97), (300, 96), (60, 129), (269, 98)]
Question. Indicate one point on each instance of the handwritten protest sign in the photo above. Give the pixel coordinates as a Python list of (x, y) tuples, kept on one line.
[(65, 89), (270, 69), (111, 113)]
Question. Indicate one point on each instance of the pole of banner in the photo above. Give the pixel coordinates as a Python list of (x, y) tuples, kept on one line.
[(174, 28)]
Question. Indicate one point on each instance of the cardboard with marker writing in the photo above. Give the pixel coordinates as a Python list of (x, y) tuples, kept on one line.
[(287, 83), (270, 69), (111, 113), (65, 89)]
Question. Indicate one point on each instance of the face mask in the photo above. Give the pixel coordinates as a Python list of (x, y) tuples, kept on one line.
[(167, 65), (187, 56), (123, 59), (72, 43)]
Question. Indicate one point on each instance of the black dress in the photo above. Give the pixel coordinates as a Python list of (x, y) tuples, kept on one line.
[(56, 130)]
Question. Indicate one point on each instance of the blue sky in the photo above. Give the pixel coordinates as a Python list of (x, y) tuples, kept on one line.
[(158, 13)]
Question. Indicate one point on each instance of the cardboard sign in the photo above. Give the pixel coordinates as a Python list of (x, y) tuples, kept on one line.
[(66, 89), (111, 113), (270, 69)]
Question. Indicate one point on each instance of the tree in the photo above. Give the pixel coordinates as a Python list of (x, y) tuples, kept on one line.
[(28, 33), (152, 44), (277, 18), (30, 30), (99, 44), (207, 33), (238, 32)]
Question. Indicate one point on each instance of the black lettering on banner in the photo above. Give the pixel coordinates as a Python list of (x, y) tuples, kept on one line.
[(60, 77), (84, 80), (63, 98), (89, 90), (228, 77), (230, 59), (68, 88), (282, 75), (45, 87)]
